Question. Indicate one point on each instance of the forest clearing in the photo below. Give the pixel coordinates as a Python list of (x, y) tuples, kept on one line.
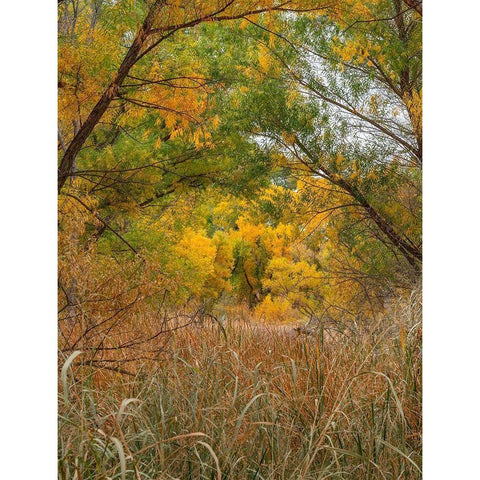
[(240, 239)]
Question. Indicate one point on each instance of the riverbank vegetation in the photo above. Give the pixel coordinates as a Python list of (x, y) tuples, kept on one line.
[(229, 172)]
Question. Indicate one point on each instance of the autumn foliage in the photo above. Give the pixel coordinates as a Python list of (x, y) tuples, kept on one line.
[(247, 161)]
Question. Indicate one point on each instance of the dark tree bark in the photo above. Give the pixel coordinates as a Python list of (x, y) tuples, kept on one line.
[(411, 252), (134, 54), (66, 164), (415, 4)]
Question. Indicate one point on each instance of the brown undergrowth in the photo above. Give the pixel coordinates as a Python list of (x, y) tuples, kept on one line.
[(243, 401)]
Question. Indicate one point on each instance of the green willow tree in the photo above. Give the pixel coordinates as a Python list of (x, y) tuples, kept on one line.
[(340, 100), (161, 22)]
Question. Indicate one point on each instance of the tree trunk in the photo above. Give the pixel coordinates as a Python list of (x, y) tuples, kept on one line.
[(66, 164), (407, 248)]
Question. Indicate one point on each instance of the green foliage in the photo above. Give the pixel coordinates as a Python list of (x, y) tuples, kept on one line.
[(270, 159), (239, 161)]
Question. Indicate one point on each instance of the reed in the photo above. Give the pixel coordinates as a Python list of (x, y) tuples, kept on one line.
[(253, 402)]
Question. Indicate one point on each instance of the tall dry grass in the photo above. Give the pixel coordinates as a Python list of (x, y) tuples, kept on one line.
[(243, 401)]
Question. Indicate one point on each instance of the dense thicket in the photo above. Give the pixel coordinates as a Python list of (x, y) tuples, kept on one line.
[(226, 156)]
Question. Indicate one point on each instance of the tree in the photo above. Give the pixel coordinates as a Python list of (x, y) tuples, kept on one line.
[(265, 153), (160, 23), (350, 112)]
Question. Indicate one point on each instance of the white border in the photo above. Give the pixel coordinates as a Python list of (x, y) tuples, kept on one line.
[(451, 247), (28, 402)]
